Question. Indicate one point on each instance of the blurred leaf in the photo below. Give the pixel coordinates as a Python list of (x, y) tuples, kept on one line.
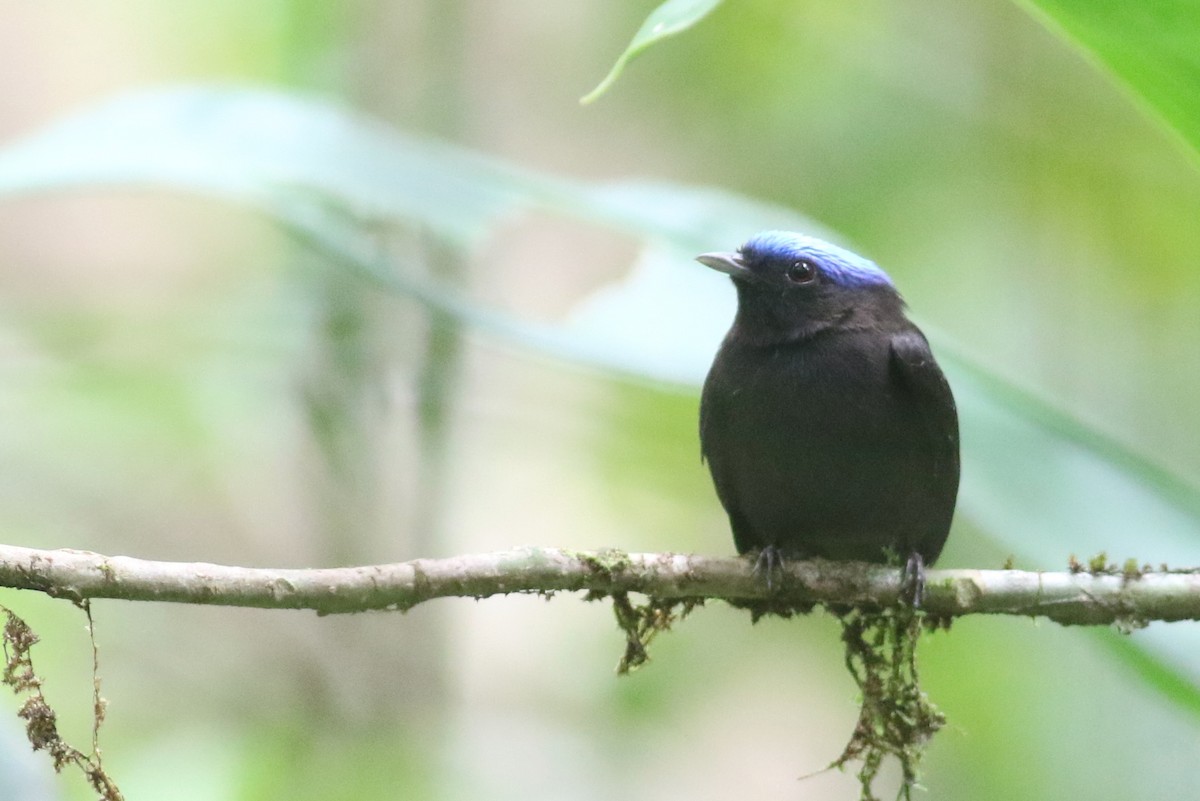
[(254, 147), (300, 158), (670, 18), (1152, 46), (333, 177)]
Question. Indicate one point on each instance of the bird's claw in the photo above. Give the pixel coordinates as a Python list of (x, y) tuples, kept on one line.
[(768, 564), (912, 580)]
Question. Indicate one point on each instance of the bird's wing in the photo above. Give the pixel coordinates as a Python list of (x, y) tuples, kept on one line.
[(913, 364)]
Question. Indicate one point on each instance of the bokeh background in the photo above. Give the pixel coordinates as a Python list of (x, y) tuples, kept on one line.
[(184, 377)]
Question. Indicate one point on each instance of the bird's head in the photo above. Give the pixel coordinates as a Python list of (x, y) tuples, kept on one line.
[(791, 286)]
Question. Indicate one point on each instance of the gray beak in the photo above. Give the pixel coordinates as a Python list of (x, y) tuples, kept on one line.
[(728, 263)]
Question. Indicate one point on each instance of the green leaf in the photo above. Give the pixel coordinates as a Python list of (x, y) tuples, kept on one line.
[(670, 18), (1151, 46), (265, 149), (334, 178)]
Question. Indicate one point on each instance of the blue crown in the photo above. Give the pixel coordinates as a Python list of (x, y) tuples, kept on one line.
[(839, 265)]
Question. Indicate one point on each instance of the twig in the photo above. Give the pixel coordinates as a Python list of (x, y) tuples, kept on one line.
[(1096, 595)]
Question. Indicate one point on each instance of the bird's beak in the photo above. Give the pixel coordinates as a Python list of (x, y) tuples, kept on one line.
[(728, 263)]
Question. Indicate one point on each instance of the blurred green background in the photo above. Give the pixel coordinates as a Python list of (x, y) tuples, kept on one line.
[(254, 327)]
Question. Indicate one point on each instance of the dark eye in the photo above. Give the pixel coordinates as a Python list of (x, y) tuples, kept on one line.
[(802, 272)]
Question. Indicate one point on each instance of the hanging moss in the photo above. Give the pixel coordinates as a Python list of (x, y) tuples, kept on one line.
[(896, 719)]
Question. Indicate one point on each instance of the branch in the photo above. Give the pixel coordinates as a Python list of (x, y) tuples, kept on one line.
[(1100, 596)]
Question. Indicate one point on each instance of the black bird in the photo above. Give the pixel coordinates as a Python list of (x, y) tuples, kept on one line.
[(827, 425)]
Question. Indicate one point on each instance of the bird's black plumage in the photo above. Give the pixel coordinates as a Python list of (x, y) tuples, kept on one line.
[(827, 425)]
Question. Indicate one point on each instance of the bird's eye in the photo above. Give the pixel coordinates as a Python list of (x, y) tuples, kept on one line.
[(802, 272)]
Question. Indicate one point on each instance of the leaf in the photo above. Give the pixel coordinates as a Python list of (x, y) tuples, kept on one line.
[(1151, 46), (256, 147), (668, 19), (333, 177)]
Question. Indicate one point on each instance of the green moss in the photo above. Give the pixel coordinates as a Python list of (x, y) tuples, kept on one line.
[(762, 607), (609, 562), (896, 719), (643, 622)]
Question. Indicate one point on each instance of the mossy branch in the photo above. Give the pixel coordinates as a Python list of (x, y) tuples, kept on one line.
[(1095, 593)]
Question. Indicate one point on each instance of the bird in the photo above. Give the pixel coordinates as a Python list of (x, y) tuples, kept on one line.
[(827, 425)]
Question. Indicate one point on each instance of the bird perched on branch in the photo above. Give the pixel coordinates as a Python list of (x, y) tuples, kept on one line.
[(827, 425)]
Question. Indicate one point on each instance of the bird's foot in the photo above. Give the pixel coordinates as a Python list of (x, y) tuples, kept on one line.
[(912, 580), (769, 564)]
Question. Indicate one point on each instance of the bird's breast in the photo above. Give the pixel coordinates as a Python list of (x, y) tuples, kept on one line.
[(840, 389)]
